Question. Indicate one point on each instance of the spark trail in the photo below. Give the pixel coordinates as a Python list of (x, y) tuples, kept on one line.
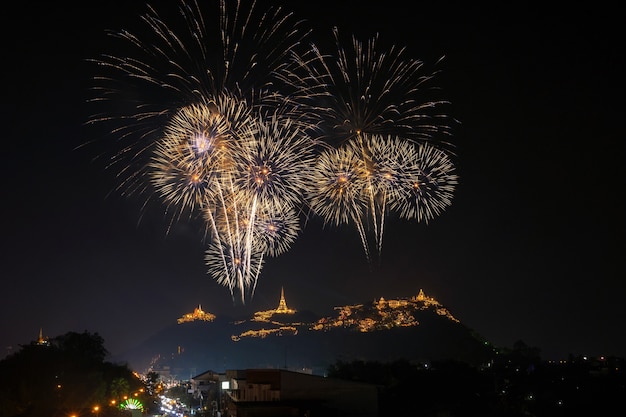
[(235, 117)]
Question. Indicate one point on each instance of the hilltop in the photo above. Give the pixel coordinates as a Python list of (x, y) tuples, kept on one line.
[(417, 328)]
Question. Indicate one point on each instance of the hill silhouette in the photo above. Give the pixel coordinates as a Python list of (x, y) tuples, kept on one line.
[(417, 329)]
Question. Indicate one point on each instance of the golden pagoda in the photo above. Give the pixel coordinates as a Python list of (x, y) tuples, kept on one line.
[(198, 314), (278, 325), (281, 309), (41, 340), (282, 304)]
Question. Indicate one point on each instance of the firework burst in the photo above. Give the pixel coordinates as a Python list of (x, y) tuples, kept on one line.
[(178, 58), (197, 147), (427, 191), (257, 195), (368, 177), (236, 267), (388, 162), (360, 97), (276, 229), (336, 189), (222, 118), (366, 89), (275, 164), (180, 100)]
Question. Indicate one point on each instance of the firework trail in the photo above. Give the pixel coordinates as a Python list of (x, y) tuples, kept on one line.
[(415, 180), (364, 179), (197, 146), (184, 99), (428, 190), (359, 96), (222, 118), (192, 170), (180, 58), (245, 174), (277, 229), (275, 164), (335, 191), (366, 89), (388, 162), (266, 187)]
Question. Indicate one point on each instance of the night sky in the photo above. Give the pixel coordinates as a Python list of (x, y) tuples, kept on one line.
[(530, 249)]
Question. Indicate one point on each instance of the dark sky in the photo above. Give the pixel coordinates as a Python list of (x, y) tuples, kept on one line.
[(531, 248)]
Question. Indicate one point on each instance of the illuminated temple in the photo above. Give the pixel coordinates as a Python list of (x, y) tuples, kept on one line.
[(42, 340), (382, 314), (197, 314), (277, 325), (281, 309)]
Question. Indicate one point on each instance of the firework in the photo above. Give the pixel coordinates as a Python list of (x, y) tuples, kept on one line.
[(181, 99), (363, 180), (367, 89), (276, 229), (274, 166), (359, 97), (335, 190), (198, 145), (429, 191), (254, 199), (336, 186), (195, 54), (243, 236), (180, 58), (388, 162), (223, 119), (235, 267)]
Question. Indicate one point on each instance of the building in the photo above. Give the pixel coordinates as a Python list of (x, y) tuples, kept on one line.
[(280, 392)]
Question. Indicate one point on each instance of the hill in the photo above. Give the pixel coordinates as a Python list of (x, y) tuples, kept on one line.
[(418, 329)]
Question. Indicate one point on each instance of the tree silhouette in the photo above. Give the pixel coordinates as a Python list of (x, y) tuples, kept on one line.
[(67, 375)]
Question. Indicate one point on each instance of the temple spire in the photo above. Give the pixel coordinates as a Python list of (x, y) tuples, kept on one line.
[(282, 304), (41, 340), (198, 314)]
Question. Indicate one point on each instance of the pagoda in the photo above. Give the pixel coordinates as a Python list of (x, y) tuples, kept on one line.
[(41, 340), (281, 309), (282, 304), (198, 314)]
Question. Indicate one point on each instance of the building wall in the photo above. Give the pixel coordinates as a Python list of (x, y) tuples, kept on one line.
[(302, 391)]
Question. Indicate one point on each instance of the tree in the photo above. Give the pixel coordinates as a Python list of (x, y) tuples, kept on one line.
[(87, 347), (66, 376), (152, 382)]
